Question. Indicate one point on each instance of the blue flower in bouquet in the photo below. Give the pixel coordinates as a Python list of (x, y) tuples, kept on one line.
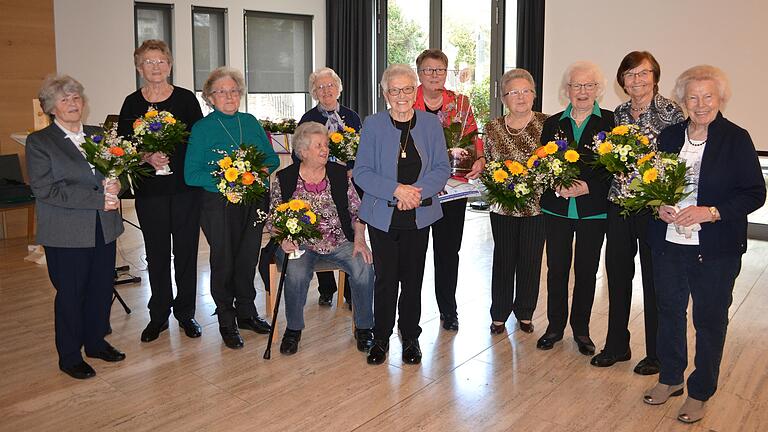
[(511, 186), (155, 126), (305, 219), (97, 138), (562, 145), (601, 135)]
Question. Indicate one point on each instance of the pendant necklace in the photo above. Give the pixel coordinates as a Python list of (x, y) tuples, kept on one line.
[(239, 125)]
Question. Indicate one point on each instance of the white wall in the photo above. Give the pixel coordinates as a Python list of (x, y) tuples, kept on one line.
[(731, 35), (95, 43)]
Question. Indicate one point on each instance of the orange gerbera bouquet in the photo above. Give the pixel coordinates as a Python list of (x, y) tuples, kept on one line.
[(159, 132), (240, 175), (554, 164), (114, 157)]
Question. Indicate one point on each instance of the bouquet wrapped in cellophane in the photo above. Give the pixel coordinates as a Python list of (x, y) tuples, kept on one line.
[(660, 179), (553, 165), (343, 144), (619, 149), (159, 132), (114, 157), (296, 222), (240, 175), (508, 183)]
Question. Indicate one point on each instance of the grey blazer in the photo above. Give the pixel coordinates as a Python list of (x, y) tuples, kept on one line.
[(69, 197)]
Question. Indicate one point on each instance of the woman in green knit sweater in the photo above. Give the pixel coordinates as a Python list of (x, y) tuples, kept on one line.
[(233, 236)]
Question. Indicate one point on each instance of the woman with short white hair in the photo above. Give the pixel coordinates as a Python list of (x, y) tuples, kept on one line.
[(402, 164), (578, 211)]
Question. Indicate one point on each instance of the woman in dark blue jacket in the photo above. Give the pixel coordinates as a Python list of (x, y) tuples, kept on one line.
[(402, 164), (697, 245)]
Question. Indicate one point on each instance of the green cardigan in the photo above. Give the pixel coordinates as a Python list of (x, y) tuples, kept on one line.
[(219, 131)]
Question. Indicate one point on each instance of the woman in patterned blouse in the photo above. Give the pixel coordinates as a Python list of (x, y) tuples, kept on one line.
[(330, 193), (638, 75), (518, 235)]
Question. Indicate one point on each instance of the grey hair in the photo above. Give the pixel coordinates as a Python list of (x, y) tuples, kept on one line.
[(302, 137), (55, 86), (397, 70), (582, 66), (219, 73), (702, 73), (514, 74), (323, 72)]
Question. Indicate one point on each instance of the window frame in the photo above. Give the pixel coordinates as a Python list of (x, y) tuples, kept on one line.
[(167, 9)]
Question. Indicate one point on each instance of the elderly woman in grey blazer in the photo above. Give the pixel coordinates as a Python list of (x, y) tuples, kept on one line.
[(402, 164), (77, 225)]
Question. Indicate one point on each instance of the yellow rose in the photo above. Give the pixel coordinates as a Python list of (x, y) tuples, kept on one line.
[(337, 137), (226, 162), (499, 176), (312, 216), (620, 130), (646, 158), (296, 204), (551, 148), (151, 114), (231, 174), (169, 120), (650, 176), (531, 161), (282, 207), (604, 148), (644, 140), (571, 156)]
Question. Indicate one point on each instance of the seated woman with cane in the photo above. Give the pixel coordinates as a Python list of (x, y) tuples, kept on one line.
[(330, 193)]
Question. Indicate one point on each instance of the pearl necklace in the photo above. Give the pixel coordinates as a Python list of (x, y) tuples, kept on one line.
[(521, 129)]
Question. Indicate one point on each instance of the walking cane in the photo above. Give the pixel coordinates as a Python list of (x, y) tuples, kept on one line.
[(268, 351)]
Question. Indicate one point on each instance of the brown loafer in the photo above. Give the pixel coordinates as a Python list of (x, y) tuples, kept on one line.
[(691, 411), (660, 393)]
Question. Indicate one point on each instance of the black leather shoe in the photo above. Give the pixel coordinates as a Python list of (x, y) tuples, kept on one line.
[(231, 337), (498, 328), (255, 323), (547, 341), (647, 366), (290, 343), (325, 300), (378, 352), (364, 339), (604, 359), (153, 330), (191, 327), (108, 354), (81, 370), (411, 351), (526, 327), (586, 346), (451, 322)]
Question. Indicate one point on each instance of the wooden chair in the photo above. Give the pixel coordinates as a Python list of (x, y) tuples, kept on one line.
[(19, 194)]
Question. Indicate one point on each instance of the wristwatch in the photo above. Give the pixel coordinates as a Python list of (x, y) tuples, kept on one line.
[(715, 214)]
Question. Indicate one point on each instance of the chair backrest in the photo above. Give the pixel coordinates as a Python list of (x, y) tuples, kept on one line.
[(10, 168)]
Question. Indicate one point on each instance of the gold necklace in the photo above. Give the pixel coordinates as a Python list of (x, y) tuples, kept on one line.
[(403, 144), (237, 144)]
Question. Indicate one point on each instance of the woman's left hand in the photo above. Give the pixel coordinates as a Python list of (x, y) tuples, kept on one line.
[(111, 186), (360, 247), (693, 215), (477, 168), (577, 189)]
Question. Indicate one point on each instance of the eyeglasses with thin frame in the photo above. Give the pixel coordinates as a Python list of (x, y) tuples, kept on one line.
[(586, 86), (329, 86), (519, 92), (434, 71), (642, 74), (225, 92), (394, 91), (154, 62)]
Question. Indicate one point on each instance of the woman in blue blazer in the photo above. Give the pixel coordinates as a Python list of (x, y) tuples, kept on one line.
[(697, 245), (402, 164), (77, 225)]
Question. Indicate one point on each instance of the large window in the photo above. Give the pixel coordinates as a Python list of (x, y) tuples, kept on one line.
[(152, 21), (278, 61), (407, 30), (208, 44)]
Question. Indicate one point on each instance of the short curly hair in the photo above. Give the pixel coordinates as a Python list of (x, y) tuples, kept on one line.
[(219, 73), (702, 73), (56, 86), (302, 137), (149, 45)]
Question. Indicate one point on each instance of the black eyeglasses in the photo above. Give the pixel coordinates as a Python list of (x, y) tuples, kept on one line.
[(433, 71)]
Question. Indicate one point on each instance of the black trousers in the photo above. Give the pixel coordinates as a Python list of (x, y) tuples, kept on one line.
[(589, 235), (518, 244), (327, 285), (83, 279), (235, 243), (624, 237), (446, 243), (398, 261), (171, 224)]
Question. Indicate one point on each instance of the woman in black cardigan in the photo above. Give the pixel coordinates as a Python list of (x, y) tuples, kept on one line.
[(579, 210), (697, 245)]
